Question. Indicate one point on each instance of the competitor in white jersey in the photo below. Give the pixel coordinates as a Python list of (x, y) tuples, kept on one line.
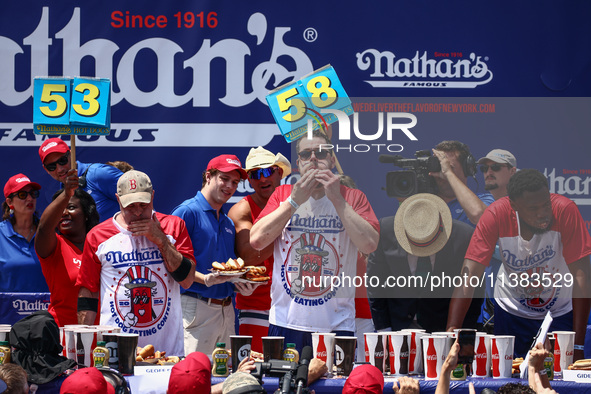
[(318, 226), (545, 249), (135, 263)]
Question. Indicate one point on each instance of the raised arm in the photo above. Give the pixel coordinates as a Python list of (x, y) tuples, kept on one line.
[(581, 302), (46, 238), (241, 215)]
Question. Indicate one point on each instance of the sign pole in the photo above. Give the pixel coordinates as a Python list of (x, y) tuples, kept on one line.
[(73, 151)]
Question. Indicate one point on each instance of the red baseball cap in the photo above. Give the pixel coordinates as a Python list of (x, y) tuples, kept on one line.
[(365, 379), (191, 375), (227, 163), (88, 381), (17, 182), (52, 145)]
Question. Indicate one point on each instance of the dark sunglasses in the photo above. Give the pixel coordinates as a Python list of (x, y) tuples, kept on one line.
[(305, 155), (494, 167), (261, 172), (23, 194), (62, 161)]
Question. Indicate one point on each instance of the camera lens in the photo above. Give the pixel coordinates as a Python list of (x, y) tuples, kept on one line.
[(401, 183)]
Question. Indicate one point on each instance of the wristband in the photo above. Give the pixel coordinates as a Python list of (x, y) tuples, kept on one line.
[(88, 304), (579, 347), (293, 203), (181, 273)]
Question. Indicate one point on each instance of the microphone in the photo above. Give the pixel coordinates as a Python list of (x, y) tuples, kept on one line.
[(302, 373)]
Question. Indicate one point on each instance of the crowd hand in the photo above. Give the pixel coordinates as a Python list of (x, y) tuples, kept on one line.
[(445, 164), (537, 356), (246, 365), (246, 289), (539, 389), (215, 279), (316, 370), (71, 182), (407, 385), (451, 361)]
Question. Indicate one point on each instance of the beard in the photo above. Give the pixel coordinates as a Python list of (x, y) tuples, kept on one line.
[(491, 186), (537, 230)]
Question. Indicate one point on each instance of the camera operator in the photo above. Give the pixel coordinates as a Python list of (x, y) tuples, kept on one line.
[(457, 164)]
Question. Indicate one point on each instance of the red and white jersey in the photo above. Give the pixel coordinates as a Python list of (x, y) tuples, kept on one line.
[(137, 292), (313, 249), (534, 277)]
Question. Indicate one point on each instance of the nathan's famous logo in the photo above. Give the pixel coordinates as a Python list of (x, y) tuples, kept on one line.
[(26, 307), (534, 260), (139, 305), (117, 61), (307, 272), (445, 70), (570, 183)]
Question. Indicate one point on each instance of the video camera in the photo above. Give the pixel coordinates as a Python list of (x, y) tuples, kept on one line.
[(414, 178), (293, 377)]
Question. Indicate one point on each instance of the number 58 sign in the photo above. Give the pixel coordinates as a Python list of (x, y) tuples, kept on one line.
[(292, 105), (72, 106)]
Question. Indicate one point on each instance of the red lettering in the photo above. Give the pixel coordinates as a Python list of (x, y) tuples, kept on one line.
[(127, 20), (132, 184), (117, 20)]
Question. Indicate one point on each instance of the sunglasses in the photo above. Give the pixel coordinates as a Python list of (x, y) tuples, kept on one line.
[(23, 194), (494, 167), (62, 161), (261, 172), (305, 155)]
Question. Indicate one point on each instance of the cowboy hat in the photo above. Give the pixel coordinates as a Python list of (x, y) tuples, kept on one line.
[(422, 224), (262, 158)]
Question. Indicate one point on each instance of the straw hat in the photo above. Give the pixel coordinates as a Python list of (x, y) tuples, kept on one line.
[(262, 158), (422, 224)]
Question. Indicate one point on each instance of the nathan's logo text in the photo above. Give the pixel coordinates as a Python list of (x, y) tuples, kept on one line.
[(422, 72)]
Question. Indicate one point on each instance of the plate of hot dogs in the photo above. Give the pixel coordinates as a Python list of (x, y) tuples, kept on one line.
[(254, 274), (232, 267)]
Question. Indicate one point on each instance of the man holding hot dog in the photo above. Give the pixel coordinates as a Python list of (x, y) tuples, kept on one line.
[(317, 227), (545, 249), (208, 313)]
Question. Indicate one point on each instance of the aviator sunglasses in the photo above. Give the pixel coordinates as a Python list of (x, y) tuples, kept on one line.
[(22, 194), (305, 155), (261, 172), (62, 161), (494, 167)]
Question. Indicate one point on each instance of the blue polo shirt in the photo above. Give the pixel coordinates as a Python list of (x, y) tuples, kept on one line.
[(20, 270), (101, 184), (213, 240)]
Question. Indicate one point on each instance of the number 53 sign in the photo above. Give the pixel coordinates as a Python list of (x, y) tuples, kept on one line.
[(72, 106), (294, 104)]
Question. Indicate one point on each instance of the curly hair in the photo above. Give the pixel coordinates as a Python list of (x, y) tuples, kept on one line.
[(528, 180), (515, 388), (88, 207)]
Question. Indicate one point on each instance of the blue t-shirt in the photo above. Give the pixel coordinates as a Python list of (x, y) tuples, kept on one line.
[(457, 212), (101, 184), (20, 270), (213, 240)]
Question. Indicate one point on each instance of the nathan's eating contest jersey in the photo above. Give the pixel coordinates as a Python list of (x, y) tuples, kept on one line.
[(313, 249), (137, 293)]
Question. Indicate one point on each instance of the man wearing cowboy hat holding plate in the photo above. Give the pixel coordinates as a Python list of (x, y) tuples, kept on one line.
[(421, 240), (265, 171), (317, 227)]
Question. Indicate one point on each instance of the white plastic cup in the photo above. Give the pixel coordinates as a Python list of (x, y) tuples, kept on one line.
[(482, 356), (564, 348), (376, 349), (502, 356), (434, 355), (398, 352), (85, 339), (415, 351), (323, 348)]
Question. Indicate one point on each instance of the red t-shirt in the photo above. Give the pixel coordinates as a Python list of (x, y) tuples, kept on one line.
[(61, 270), (260, 299)]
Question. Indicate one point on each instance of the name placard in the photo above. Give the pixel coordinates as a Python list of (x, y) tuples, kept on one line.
[(64, 105), (308, 99)]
